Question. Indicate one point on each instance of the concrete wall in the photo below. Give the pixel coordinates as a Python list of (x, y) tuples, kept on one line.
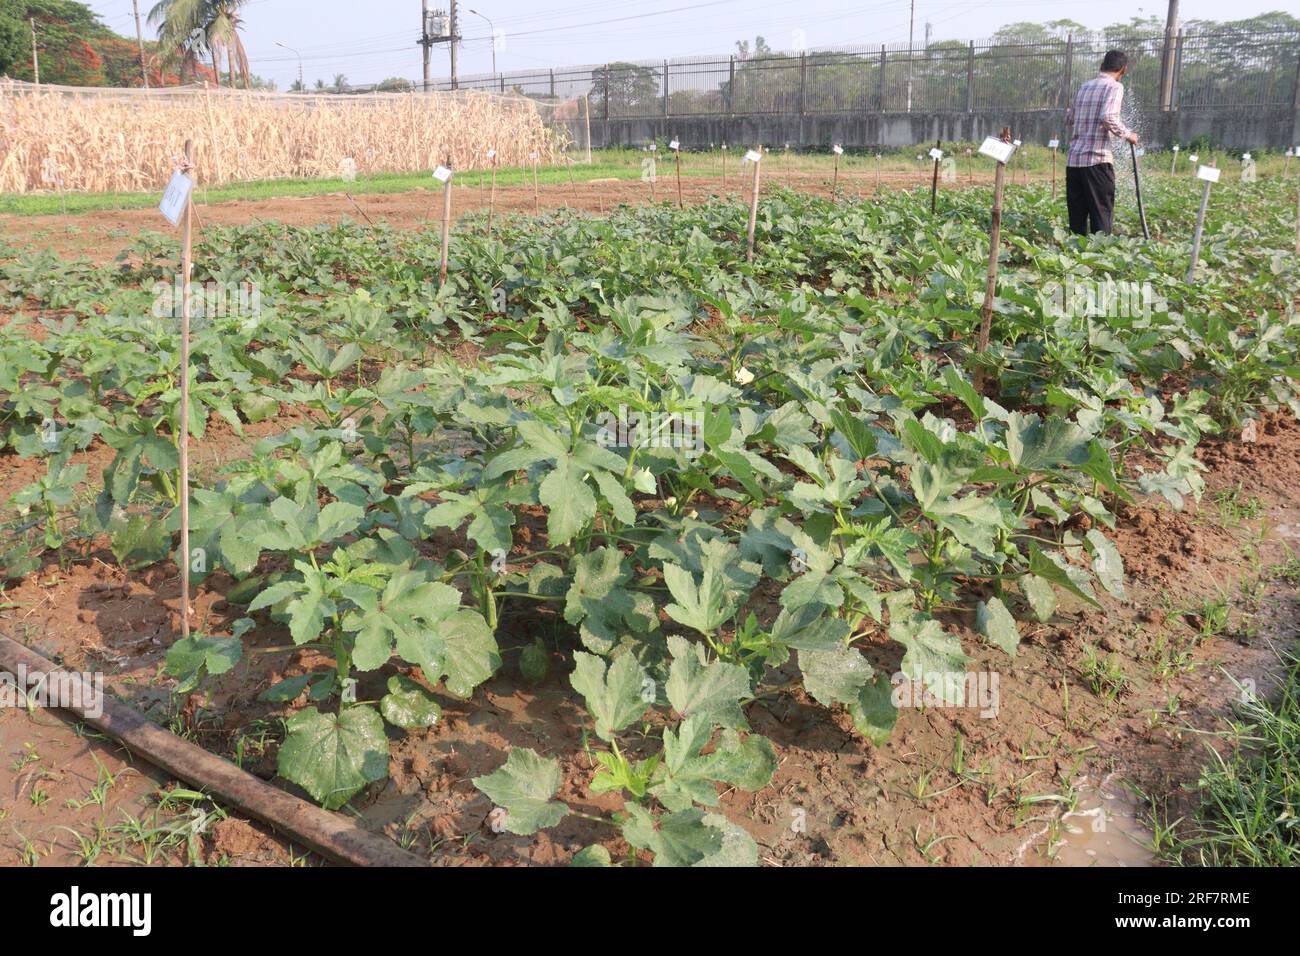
[(1255, 128)]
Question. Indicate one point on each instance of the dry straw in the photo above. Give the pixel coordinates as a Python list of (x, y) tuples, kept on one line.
[(115, 140)]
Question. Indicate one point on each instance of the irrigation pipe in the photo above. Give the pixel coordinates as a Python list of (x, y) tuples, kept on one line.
[(330, 834)]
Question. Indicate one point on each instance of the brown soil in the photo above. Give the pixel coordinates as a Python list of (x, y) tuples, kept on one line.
[(102, 235), (835, 798)]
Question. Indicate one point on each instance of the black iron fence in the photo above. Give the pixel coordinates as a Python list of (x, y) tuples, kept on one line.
[(1225, 69)]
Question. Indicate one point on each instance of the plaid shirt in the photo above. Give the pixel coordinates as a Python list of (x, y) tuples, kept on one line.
[(1094, 119)]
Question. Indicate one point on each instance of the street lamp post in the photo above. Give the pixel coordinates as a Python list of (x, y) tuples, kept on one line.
[(302, 88), (494, 39)]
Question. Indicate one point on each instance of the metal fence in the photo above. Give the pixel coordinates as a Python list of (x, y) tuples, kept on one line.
[(1226, 70)]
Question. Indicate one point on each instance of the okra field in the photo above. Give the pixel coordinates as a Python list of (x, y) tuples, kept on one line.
[(610, 456)]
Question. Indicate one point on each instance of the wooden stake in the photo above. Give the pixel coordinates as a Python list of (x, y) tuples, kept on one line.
[(934, 180), (1297, 224), (995, 242), (183, 444), (492, 197), (1200, 228), (753, 206), (878, 161), (724, 169), (677, 155), (1054, 152), (835, 181), (446, 231)]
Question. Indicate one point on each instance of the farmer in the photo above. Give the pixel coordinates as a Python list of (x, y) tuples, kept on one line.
[(1090, 168)]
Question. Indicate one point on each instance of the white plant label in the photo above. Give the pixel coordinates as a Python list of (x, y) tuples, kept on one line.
[(1016, 143), (175, 198), (837, 149), (674, 145), (653, 147), (442, 174), (1053, 144), (1193, 158), (491, 154), (996, 149), (936, 153), (533, 157), (1289, 153), (1210, 174), (753, 156), (1176, 147), (1245, 157)]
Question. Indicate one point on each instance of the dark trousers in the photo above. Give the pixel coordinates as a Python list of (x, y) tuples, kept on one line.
[(1090, 196)]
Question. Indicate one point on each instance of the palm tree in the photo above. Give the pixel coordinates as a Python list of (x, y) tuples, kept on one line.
[(193, 28)]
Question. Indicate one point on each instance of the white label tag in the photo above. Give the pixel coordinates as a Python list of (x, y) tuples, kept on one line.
[(936, 153), (1053, 144), (996, 149), (175, 198), (1193, 158), (442, 174), (837, 149), (653, 147), (753, 156), (1210, 174), (1016, 143), (1176, 147), (492, 154), (1245, 157), (533, 157), (674, 145)]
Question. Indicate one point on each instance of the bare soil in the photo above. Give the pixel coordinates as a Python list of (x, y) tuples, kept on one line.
[(1001, 796)]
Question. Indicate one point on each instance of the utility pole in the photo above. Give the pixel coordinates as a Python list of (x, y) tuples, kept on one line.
[(1167, 59), (929, 27), (455, 41), (36, 60), (911, 30), (139, 38), (301, 87), (425, 40)]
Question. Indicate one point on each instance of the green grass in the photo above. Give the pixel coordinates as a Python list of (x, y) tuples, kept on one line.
[(1249, 798)]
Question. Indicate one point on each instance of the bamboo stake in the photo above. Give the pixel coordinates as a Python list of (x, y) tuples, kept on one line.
[(1054, 152), (878, 158), (753, 205), (1200, 228), (446, 231), (1173, 166), (677, 155), (1297, 224), (835, 179), (654, 174), (934, 180), (492, 196), (187, 265), (995, 241), (724, 169)]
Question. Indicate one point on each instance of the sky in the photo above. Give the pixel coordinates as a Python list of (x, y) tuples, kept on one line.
[(371, 40)]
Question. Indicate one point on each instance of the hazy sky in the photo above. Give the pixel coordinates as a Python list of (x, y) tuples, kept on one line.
[(374, 39)]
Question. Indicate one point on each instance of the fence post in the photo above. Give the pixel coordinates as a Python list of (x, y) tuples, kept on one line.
[(731, 85), (665, 88), (552, 84), (803, 83), (881, 93), (606, 103), (1066, 81), (1178, 72), (970, 78), (1295, 94)]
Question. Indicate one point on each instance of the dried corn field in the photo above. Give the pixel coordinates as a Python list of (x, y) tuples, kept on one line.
[(89, 140)]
